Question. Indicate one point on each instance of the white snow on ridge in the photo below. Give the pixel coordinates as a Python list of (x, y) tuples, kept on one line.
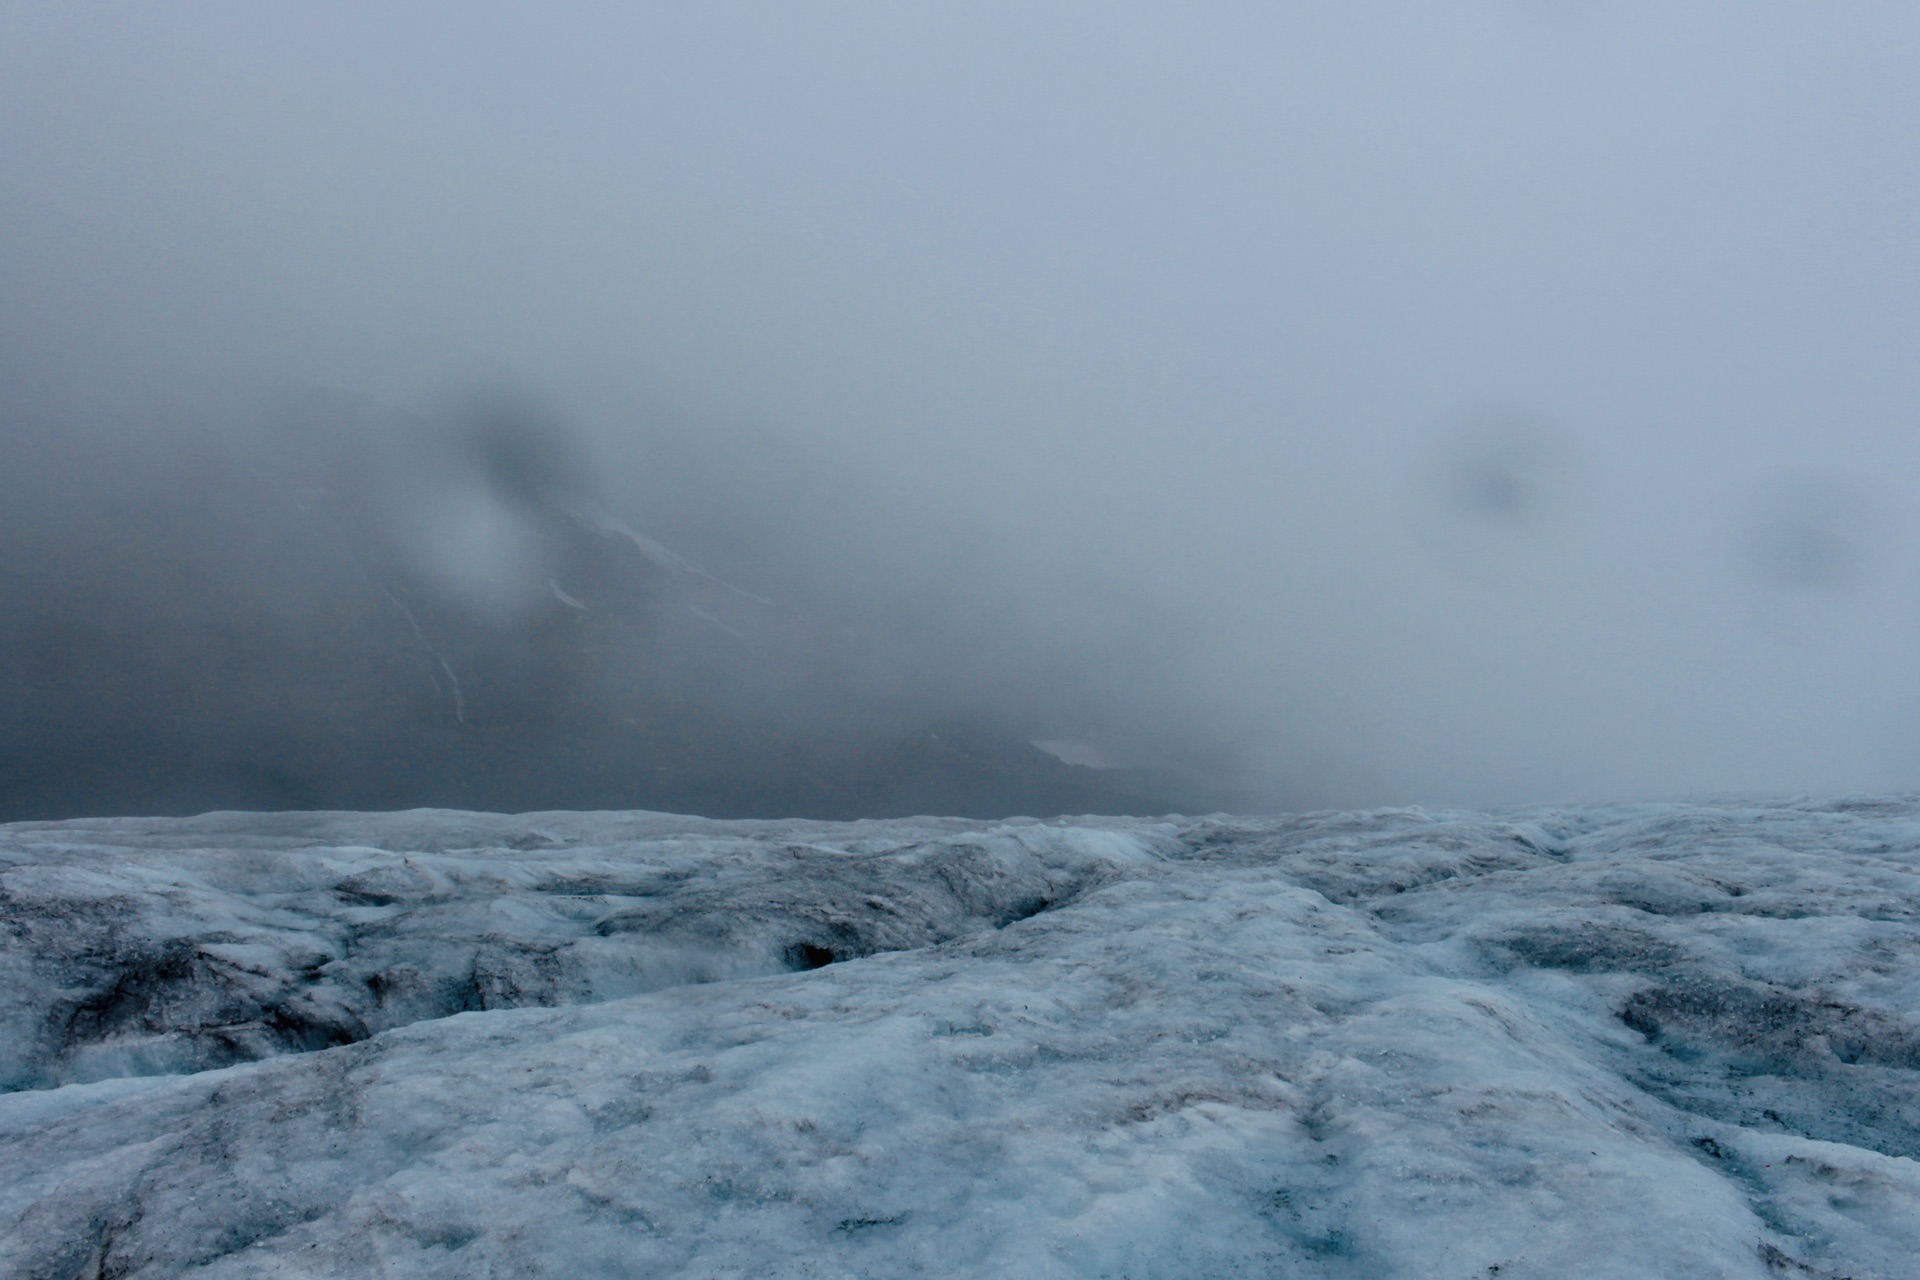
[(592, 516), (1630, 1041)]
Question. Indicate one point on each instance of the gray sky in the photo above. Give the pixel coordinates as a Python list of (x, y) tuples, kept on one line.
[(1395, 403)]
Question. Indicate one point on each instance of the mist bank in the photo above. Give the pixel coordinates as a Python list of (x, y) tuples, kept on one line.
[(331, 603), (1489, 406)]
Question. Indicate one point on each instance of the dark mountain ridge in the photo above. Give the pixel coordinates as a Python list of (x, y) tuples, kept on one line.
[(363, 609)]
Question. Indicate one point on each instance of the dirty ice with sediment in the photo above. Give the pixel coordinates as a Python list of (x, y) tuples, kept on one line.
[(1630, 1041)]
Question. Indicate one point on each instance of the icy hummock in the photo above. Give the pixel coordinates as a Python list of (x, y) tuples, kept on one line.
[(1629, 1041)]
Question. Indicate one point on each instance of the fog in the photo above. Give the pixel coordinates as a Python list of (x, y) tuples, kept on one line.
[(1296, 406)]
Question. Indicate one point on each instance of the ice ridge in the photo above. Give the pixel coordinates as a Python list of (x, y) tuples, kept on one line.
[(1655, 1040)]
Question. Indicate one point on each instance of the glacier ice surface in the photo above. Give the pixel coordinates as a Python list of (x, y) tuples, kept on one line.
[(1627, 1041)]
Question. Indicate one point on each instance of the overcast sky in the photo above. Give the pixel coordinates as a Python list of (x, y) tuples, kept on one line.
[(1430, 404)]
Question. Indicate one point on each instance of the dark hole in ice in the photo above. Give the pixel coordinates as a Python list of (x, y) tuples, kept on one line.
[(307, 1035), (1024, 910), (805, 955), (132, 996)]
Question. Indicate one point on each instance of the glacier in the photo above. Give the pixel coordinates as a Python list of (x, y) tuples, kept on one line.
[(1614, 1041)]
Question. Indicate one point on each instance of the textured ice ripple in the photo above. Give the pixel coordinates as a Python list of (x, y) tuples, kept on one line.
[(1625, 1041)]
